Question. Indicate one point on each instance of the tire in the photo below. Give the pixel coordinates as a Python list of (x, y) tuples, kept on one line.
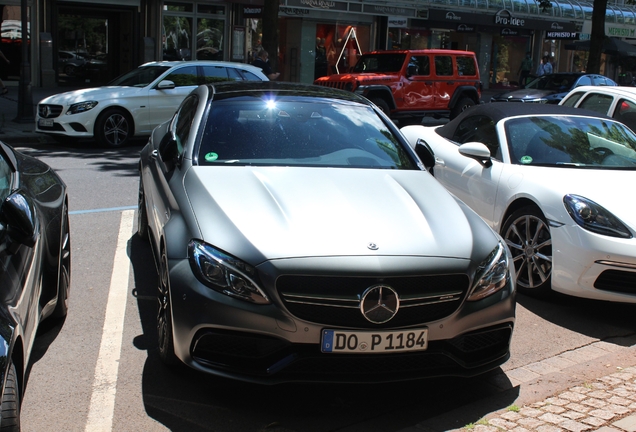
[(463, 104), (64, 272), (527, 234), (381, 103), (113, 128), (142, 215), (69, 70), (165, 336), (11, 402)]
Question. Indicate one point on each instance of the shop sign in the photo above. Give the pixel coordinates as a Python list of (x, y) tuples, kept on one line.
[(452, 16), (398, 22), (561, 35), (252, 11), (620, 32), (504, 17), (389, 10), (318, 4), (509, 32), (292, 11), (465, 28)]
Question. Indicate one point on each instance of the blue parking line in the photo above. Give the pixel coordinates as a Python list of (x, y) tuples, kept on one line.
[(102, 210)]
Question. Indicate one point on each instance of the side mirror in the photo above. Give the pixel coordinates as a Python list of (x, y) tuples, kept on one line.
[(477, 151), (426, 154), (19, 217), (165, 85), (169, 150)]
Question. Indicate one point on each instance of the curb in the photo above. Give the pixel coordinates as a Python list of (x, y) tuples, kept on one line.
[(537, 397)]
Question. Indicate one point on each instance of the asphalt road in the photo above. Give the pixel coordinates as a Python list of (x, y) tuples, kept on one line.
[(100, 370)]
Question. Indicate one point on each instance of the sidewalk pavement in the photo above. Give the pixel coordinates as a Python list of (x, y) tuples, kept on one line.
[(592, 388)]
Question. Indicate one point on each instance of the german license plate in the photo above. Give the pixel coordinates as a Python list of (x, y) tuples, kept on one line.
[(363, 342), (45, 122)]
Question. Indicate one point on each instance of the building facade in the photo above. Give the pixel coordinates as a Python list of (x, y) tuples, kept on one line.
[(87, 43)]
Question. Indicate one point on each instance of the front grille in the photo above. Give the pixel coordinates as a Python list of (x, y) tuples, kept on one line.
[(336, 300), (341, 85), (49, 111), (267, 359), (617, 281)]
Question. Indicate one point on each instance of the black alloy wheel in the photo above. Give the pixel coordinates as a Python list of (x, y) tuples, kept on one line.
[(10, 402), (142, 216), (461, 106), (164, 315), (527, 234), (381, 103), (113, 128), (64, 270)]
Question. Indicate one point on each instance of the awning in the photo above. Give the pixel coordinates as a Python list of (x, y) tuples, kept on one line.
[(611, 46)]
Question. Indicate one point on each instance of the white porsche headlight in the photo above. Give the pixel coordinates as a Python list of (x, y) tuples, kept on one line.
[(224, 273), (592, 217), (492, 274)]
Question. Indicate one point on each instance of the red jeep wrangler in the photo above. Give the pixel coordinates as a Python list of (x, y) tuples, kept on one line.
[(409, 84)]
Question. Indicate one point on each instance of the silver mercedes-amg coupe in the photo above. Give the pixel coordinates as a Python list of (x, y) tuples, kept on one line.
[(298, 237)]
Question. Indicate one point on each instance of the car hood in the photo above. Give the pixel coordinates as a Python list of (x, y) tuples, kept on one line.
[(591, 184), (96, 93), (302, 212), (525, 94)]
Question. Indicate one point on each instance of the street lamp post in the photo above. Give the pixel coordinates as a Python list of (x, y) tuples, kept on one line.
[(25, 98)]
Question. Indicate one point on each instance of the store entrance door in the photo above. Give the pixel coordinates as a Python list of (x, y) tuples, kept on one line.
[(94, 45)]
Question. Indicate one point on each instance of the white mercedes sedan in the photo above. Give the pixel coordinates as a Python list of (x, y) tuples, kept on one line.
[(135, 103), (550, 179)]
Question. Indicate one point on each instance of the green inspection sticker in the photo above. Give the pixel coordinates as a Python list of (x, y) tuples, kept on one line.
[(524, 159), (211, 157)]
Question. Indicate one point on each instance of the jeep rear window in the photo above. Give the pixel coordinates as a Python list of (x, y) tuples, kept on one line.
[(466, 66), (380, 63)]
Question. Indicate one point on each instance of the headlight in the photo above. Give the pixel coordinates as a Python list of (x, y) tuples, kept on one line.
[(593, 217), (224, 273), (492, 274), (80, 107)]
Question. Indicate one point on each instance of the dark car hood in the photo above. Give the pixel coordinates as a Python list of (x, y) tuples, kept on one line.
[(524, 94)]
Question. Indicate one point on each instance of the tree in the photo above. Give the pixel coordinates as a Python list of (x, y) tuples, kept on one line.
[(597, 37), (270, 31)]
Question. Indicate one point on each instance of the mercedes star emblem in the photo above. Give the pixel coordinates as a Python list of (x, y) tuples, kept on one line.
[(379, 304)]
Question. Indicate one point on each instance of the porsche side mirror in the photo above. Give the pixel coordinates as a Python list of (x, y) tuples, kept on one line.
[(165, 85), (19, 217), (477, 151)]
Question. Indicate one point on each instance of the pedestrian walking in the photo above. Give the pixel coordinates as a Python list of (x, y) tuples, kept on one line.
[(525, 69)]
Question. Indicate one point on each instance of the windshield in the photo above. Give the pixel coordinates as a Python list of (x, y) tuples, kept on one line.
[(556, 82), (571, 141), (379, 63), (301, 132), (140, 77)]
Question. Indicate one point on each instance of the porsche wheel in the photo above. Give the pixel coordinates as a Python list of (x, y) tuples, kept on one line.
[(527, 234), (142, 216), (11, 402), (113, 128), (164, 315), (64, 277)]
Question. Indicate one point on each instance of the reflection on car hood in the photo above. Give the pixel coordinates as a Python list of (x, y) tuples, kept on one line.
[(95, 93), (300, 212), (525, 94)]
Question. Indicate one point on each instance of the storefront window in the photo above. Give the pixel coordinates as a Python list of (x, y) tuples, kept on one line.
[(338, 47), (508, 53), (11, 42), (408, 39), (189, 35)]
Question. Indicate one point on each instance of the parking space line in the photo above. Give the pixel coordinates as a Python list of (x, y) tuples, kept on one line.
[(102, 406)]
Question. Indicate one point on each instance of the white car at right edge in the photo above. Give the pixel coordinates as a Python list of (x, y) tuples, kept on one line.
[(554, 182)]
